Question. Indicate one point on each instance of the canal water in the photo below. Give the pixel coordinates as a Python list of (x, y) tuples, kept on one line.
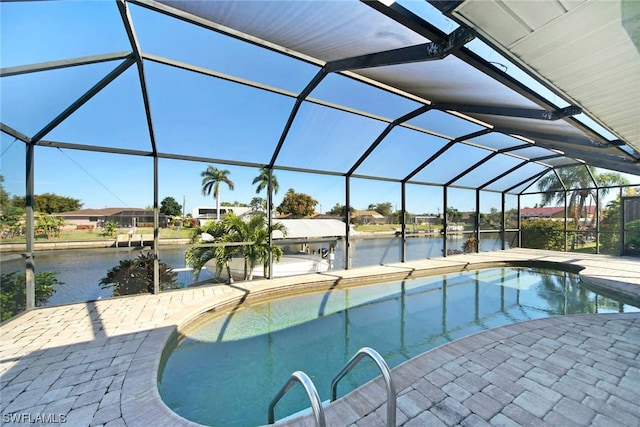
[(81, 270)]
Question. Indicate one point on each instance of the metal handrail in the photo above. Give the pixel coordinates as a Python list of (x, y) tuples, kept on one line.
[(312, 393), (386, 374)]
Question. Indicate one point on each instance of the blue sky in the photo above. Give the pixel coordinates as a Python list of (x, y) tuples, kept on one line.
[(198, 115)]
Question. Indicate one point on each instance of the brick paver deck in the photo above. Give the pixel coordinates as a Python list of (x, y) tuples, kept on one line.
[(96, 363)]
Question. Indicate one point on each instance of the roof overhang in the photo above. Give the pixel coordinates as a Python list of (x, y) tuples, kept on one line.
[(586, 50)]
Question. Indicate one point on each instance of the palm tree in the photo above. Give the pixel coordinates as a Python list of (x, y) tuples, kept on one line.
[(198, 255), (579, 186), (211, 179), (263, 181), (233, 229), (256, 231)]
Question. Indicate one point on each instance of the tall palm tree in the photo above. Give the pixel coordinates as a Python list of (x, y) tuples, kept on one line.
[(263, 181), (211, 179), (579, 185)]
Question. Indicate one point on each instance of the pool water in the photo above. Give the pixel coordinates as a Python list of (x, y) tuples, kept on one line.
[(226, 372)]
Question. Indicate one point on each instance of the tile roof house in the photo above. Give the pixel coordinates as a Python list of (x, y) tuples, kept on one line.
[(552, 212)]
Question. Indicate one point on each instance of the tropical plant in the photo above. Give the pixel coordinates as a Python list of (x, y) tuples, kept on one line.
[(49, 225), (632, 237), (263, 181), (253, 230), (13, 291), (211, 179), (109, 228), (470, 245), (297, 204), (224, 240), (258, 204), (610, 226), (135, 276), (580, 187), (210, 248)]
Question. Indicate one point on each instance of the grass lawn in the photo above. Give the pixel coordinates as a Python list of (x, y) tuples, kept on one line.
[(373, 228)]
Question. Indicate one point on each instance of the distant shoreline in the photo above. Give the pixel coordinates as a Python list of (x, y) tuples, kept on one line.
[(17, 248), (12, 248)]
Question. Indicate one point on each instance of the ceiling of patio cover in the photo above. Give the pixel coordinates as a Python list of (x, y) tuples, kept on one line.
[(589, 51)]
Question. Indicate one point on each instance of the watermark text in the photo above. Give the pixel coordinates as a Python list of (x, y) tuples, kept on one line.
[(28, 418)]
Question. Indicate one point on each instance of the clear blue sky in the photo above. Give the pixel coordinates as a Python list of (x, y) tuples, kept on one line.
[(201, 116)]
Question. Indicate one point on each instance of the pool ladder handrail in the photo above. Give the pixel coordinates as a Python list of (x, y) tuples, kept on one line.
[(312, 393), (386, 374)]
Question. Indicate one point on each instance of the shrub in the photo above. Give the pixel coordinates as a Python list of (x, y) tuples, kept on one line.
[(470, 246), (135, 276), (543, 234), (632, 237), (13, 291), (109, 228)]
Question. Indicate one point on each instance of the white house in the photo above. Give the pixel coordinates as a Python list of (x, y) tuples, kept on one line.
[(208, 213)]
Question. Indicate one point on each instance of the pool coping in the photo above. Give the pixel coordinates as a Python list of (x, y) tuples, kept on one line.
[(140, 381)]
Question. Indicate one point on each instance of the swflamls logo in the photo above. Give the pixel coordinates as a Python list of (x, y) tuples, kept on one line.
[(27, 418)]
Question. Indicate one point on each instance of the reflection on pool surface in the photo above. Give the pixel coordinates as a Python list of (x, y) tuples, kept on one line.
[(226, 372)]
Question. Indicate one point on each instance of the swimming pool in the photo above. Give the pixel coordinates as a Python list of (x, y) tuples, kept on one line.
[(226, 371)]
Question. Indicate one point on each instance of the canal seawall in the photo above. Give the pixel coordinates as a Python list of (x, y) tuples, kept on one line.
[(8, 248)]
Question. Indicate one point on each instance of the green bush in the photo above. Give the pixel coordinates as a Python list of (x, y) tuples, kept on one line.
[(610, 227), (632, 236), (543, 234), (109, 229), (13, 291), (135, 276)]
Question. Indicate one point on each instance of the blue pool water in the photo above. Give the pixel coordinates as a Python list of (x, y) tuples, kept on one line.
[(225, 372)]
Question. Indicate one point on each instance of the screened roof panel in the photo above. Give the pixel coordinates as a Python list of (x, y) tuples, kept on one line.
[(557, 134), (13, 153), (497, 141), (114, 187), (30, 101), (448, 80), (172, 38), (450, 164), (528, 186), (445, 124), (401, 152), (495, 166), (326, 30), (122, 121), (323, 138), (559, 162), (199, 115), (341, 90), (515, 177), (58, 30), (533, 152), (552, 127)]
